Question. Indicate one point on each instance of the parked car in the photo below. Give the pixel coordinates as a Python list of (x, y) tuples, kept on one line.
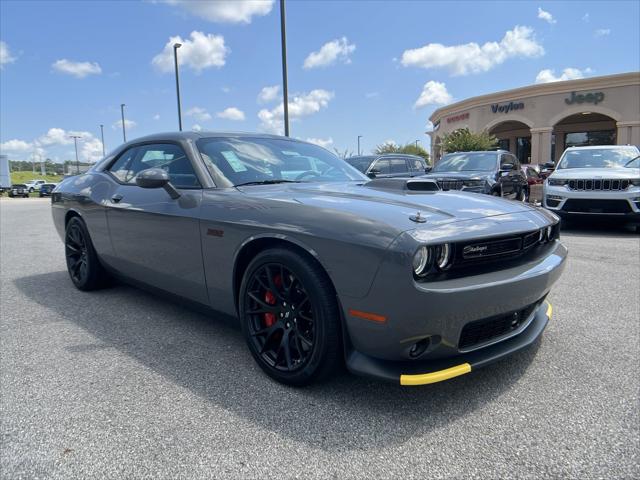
[(495, 173), (19, 190), (396, 278), (532, 175), (46, 189), (547, 169), (34, 185), (596, 180), (389, 165)]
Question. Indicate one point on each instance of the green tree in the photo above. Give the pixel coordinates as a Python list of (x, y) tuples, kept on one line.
[(409, 149), (464, 140)]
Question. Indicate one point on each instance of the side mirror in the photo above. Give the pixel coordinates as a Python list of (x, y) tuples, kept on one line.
[(373, 172), (156, 178), (428, 168)]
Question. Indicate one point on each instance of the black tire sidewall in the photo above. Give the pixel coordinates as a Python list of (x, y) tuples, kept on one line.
[(327, 341), (94, 269)]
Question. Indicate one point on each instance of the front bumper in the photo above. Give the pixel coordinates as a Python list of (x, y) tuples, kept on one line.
[(562, 200), (422, 373)]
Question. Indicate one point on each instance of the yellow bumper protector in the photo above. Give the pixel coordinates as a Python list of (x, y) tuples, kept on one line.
[(549, 310), (434, 377)]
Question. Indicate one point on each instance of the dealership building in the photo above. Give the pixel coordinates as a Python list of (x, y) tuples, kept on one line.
[(537, 123)]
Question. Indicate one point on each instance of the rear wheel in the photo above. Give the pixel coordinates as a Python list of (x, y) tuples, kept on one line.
[(290, 317), (82, 261)]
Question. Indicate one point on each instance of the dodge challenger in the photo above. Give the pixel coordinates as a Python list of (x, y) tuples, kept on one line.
[(321, 265)]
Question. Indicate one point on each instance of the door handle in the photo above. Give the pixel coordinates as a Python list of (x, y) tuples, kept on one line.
[(116, 198)]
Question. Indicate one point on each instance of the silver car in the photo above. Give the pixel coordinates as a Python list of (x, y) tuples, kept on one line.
[(321, 265), (596, 181)]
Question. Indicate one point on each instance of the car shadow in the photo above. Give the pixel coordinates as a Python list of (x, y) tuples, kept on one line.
[(598, 227), (208, 357)]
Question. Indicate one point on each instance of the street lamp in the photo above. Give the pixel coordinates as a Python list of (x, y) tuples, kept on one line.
[(417, 144), (176, 46), (359, 137), (102, 137), (75, 142), (285, 89), (124, 133)]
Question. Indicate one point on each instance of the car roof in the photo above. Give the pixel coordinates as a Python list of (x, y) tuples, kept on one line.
[(480, 151), (207, 134), (602, 147)]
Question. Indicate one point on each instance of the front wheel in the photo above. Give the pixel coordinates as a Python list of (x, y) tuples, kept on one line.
[(290, 317), (83, 264)]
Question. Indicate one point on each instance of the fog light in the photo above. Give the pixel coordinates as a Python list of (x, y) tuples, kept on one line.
[(555, 197), (419, 348)]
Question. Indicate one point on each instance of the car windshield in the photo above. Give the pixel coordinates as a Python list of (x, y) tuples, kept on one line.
[(18, 185), (361, 163), (598, 157), (253, 160), (462, 162)]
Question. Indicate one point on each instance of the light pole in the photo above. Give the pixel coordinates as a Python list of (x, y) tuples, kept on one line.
[(124, 133), (285, 89), (359, 137), (75, 142), (417, 144), (102, 137), (176, 46)]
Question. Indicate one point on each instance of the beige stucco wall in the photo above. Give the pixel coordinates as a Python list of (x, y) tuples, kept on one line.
[(544, 106)]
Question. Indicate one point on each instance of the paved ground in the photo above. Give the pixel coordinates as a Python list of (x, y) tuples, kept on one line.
[(120, 383)]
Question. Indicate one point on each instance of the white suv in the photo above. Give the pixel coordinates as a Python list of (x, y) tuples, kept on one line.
[(598, 180), (34, 185)]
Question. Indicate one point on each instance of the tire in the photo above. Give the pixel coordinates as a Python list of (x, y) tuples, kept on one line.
[(83, 264), (523, 195), (496, 193), (294, 347), (31, 190)]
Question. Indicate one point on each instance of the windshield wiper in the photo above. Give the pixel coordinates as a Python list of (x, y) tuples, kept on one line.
[(267, 182), (632, 160)]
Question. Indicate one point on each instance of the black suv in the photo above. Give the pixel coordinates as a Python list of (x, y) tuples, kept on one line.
[(492, 172), (389, 165)]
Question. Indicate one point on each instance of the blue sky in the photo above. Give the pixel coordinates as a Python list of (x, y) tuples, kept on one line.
[(376, 69)]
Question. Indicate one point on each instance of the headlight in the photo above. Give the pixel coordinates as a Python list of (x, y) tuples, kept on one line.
[(443, 256), (557, 182), (635, 182), (422, 261), (549, 232)]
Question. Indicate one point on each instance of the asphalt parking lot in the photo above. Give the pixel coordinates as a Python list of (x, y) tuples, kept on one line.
[(120, 383)]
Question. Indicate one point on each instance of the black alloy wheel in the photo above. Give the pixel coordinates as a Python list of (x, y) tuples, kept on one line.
[(83, 264), (290, 317)]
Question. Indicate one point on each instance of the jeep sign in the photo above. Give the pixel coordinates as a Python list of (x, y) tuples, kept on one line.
[(593, 97)]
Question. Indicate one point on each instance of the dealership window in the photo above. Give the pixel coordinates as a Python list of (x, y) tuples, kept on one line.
[(523, 149), (503, 144), (598, 137)]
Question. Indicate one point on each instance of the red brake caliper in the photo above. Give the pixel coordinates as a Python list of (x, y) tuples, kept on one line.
[(270, 298)]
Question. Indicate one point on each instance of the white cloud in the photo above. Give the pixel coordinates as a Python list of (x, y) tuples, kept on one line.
[(301, 105), (202, 51), (322, 142), (569, 73), (602, 32), (473, 58), (372, 94), (586, 18), (268, 94), (15, 145), (76, 69), (225, 11), (199, 113), (433, 93), (546, 16), (156, 116), (231, 113), (91, 150), (57, 136), (196, 128), (329, 53), (5, 55), (128, 124), (225, 89)]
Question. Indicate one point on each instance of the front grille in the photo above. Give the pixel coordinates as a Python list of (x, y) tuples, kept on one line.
[(487, 329), (450, 184), (599, 184), (584, 205)]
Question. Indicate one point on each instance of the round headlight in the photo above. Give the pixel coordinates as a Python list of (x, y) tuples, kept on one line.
[(443, 256), (421, 261)]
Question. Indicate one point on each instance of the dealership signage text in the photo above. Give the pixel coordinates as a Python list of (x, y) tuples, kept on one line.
[(507, 107), (592, 97)]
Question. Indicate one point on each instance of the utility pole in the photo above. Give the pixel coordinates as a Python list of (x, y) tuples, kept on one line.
[(176, 46), (124, 132), (359, 137), (75, 142), (102, 137), (285, 89), (417, 144)]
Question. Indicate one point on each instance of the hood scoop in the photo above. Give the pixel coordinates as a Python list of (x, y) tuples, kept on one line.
[(408, 185)]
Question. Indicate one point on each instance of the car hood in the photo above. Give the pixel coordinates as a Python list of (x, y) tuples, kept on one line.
[(459, 175), (578, 173), (391, 207)]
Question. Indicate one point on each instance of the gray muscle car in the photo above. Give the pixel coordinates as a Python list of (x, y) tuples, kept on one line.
[(321, 265)]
